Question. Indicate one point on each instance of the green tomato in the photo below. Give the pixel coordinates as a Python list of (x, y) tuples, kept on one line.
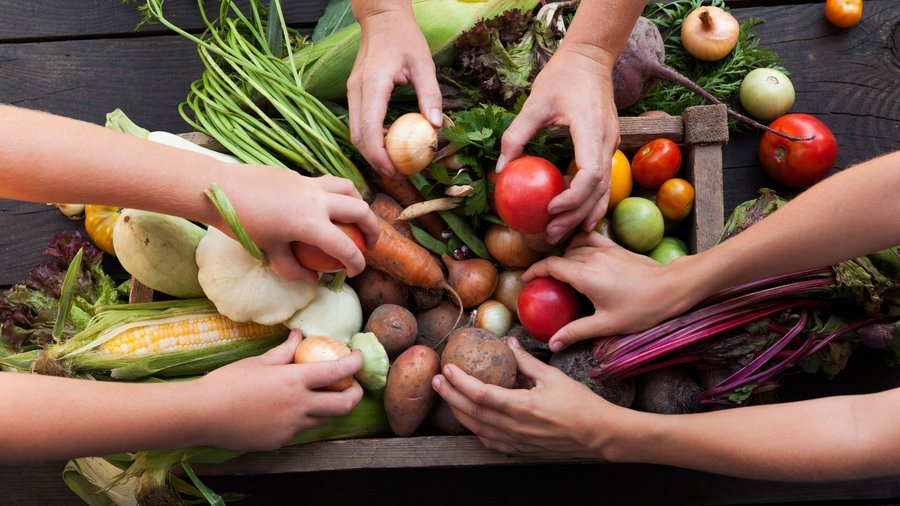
[(766, 93), (638, 224), (668, 249)]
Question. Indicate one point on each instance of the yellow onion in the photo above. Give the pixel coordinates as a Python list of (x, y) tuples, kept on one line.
[(494, 316), (709, 33), (474, 279), (508, 247), (411, 142), (321, 348), (509, 286)]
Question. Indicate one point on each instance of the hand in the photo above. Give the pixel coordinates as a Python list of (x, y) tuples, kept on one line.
[(278, 206), (558, 417), (261, 403), (630, 292), (573, 89), (392, 51)]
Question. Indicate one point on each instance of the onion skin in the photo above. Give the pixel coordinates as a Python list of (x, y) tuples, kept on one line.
[(509, 247), (709, 33), (509, 286), (474, 280), (411, 142), (321, 348)]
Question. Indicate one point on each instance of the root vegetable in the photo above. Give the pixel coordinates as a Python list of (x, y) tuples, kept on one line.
[(320, 348), (481, 354), (406, 195), (394, 326), (408, 395), (443, 419), (436, 324), (642, 62), (474, 280), (389, 209), (668, 391), (576, 361), (375, 288)]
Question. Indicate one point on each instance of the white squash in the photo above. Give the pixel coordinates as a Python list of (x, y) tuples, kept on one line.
[(335, 312), (244, 288)]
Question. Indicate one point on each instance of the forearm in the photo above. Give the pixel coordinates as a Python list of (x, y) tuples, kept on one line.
[(364, 9), (849, 214), (824, 439), (49, 418), (47, 158), (600, 28)]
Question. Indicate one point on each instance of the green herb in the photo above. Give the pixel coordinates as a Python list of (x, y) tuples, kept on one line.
[(722, 78)]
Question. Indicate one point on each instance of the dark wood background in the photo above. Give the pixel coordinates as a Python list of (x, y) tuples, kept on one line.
[(82, 59)]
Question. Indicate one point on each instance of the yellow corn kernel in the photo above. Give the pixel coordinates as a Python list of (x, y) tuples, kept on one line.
[(186, 332)]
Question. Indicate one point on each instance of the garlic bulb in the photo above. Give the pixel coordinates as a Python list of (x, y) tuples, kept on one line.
[(410, 143), (709, 33)]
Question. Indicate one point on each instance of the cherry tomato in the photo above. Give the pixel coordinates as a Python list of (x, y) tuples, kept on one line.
[(798, 164), (314, 259), (675, 199), (546, 305), (655, 162), (843, 13), (524, 189), (638, 224)]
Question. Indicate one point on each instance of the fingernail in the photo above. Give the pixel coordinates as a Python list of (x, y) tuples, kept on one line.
[(501, 162), (434, 116), (447, 372), (555, 346), (554, 232), (436, 382), (513, 342)]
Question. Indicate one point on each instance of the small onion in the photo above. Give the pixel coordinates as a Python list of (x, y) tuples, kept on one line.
[(766, 93), (508, 247), (509, 286), (474, 280), (494, 316), (321, 348), (709, 33), (411, 142)]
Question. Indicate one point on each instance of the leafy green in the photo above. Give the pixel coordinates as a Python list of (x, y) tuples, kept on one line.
[(338, 15), (721, 78)]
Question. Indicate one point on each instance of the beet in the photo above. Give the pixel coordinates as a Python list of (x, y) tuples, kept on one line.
[(642, 63), (668, 391), (577, 361)]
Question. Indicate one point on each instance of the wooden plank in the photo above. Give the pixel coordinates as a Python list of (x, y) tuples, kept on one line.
[(27, 20), (705, 133), (635, 132)]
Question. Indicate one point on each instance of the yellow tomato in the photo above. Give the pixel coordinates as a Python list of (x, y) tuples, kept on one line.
[(620, 184), (99, 222)]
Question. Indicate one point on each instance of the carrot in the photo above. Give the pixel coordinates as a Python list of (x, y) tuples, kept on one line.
[(404, 259), (406, 195), (389, 209)]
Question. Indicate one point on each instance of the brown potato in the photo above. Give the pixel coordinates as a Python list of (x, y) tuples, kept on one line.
[(482, 354), (435, 325), (394, 326), (442, 418), (375, 288), (408, 395)]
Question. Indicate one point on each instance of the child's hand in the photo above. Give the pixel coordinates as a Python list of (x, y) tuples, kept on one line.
[(261, 403)]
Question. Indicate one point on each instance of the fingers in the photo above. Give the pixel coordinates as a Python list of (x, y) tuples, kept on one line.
[(527, 364), (578, 330), (560, 268), (286, 265), (569, 220), (284, 352), (339, 185), (373, 108), (424, 79), (328, 372), (593, 239), (328, 404), (344, 209), (519, 132)]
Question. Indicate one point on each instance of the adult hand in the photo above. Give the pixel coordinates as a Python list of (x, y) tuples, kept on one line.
[(630, 292), (573, 89), (261, 403), (392, 51), (558, 417)]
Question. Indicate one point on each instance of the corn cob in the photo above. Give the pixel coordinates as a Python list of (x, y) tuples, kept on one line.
[(165, 339)]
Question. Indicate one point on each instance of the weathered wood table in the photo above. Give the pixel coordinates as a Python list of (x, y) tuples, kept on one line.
[(83, 59)]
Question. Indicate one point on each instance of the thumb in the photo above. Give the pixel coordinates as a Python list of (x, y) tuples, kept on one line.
[(578, 330), (284, 352), (285, 264), (527, 364)]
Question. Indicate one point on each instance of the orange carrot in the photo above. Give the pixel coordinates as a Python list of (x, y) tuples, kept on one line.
[(404, 259), (388, 209), (406, 195)]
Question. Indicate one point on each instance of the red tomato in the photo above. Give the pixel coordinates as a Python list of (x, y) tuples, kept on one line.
[(314, 259), (546, 305), (656, 162), (798, 164), (524, 189), (843, 13)]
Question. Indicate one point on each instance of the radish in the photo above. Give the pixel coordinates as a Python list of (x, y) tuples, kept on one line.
[(642, 63)]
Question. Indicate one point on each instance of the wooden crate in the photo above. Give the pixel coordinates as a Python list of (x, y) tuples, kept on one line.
[(701, 132)]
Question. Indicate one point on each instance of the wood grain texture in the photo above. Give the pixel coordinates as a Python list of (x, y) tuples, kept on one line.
[(28, 20)]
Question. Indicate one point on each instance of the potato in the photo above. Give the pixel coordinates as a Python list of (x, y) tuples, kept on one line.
[(394, 326), (408, 395), (375, 288), (482, 354), (435, 325), (443, 419)]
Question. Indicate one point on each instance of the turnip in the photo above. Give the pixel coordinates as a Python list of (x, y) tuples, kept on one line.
[(642, 63)]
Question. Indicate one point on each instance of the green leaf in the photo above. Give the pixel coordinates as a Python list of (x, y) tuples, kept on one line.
[(213, 498), (337, 16), (66, 296)]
